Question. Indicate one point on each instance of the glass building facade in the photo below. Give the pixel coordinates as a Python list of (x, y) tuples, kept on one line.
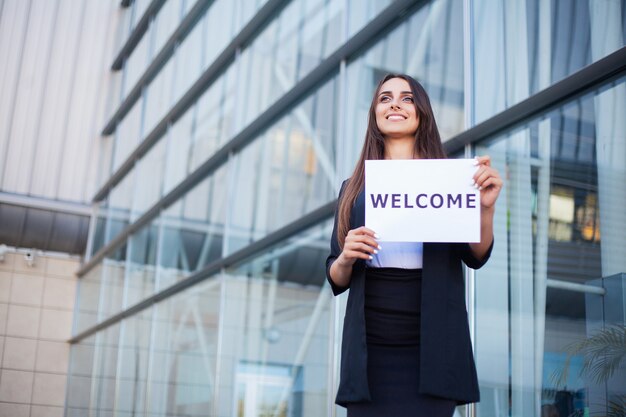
[(203, 290)]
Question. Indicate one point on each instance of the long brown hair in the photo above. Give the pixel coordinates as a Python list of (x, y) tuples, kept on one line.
[(427, 146)]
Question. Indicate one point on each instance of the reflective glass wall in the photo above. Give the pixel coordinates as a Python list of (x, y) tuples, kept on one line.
[(550, 322), (203, 291)]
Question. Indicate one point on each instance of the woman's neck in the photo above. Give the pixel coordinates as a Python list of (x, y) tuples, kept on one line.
[(400, 148)]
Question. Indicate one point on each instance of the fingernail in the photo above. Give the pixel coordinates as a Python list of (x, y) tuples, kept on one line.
[(376, 236), (371, 257), (375, 251), (473, 183), (379, 247), (480, 188)]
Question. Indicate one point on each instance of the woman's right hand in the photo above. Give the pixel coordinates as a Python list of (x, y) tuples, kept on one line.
[(360, 243)]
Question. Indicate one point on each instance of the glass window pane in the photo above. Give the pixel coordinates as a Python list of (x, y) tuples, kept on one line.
[(294, 43), (276, 315), (137, 62), (141, 266), (149, 171), (521, 48), (120, 199), (79, 401), (113, 271), (158, 98), (555, 286), (218, 29), (193, 230), (179, 138), (88, 300), (139, 9), (216, 109), (97, 237), (128, 135), (165, 22), (184, 363), (286, 172), (105, 370), (188, 60), (130, 394), (362, 11)]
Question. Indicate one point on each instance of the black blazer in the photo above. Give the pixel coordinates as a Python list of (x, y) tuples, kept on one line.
[(447, 366)]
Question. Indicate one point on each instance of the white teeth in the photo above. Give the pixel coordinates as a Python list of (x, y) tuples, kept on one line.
[(395, 118)]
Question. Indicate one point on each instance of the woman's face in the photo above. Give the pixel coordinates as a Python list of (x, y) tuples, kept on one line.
[(395, 109)]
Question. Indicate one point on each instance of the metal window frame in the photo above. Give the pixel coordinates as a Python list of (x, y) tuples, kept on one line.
[(325, 212), (184, 28), (140, 29), (576, 84), (600, 72), (325, 70), (581, 82), (322, 72), (245, 36), (317, 216), (42, 203)]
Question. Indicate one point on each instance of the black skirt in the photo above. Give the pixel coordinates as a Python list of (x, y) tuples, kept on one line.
[(392, 318)]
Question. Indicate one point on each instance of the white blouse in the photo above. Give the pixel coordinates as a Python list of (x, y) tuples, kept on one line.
[(405, 255)]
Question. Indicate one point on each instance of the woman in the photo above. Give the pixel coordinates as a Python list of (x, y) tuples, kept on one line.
[(406, 348)]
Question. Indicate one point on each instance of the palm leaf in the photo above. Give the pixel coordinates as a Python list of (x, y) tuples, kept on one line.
[(617, 407), (602, 355)]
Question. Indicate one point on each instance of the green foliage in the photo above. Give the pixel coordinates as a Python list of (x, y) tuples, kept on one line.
[(602, 355)]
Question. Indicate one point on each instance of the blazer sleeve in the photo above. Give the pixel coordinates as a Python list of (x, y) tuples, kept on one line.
[(335, 250), (465, 252)]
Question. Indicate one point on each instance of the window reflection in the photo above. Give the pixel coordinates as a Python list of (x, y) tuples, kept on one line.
[(193, 229), (563, 298), (551, 40), (277, 309), (184, 362), (149, 172), (113, 274), (141, 272), (130, 394), (285, 173), (79, 401), (105, 370), (296, 41), (266, 390), (88, 300)]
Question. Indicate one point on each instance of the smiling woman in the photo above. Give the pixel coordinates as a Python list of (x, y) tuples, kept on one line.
[(406, 300)]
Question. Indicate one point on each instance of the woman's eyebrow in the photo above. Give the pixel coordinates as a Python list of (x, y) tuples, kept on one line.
[(389, 92)]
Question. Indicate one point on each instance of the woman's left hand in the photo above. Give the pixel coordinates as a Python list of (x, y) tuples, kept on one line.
[(488, 181)]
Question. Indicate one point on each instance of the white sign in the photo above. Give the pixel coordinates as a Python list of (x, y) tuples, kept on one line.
[(422, 200)]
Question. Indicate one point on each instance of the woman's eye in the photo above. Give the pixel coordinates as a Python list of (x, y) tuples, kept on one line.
[(409, 99), (384, 98)]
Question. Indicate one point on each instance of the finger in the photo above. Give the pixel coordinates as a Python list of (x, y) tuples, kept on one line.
[(484, 173), (478, 173), (483, 177), (362, 247), (363, 239), (364, 231), (357, 255), (483, 160), (492, 182)]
